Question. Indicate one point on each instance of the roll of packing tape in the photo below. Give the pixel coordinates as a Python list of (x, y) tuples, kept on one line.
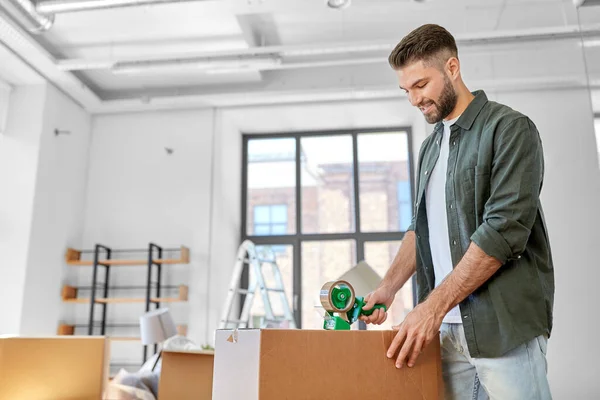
[(327, 300)]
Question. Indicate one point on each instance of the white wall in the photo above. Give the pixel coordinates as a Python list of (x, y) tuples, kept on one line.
[(138, 193), (5, 90), (225, 221), (570, 197), (19, 149), (44, 178), (57, 210)]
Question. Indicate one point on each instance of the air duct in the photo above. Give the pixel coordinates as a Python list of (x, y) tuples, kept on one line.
[(25, 13), (64, 6), (585, 3), (208, 65)]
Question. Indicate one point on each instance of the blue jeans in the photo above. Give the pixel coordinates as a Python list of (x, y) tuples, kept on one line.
[(518, 375)]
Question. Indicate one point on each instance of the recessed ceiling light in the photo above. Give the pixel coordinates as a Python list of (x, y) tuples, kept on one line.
[(338, 4)]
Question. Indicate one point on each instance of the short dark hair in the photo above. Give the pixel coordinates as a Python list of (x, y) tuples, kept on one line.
[(428, 43)]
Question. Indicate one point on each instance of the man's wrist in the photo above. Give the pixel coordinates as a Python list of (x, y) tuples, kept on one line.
[(388, 287), (439, 304)]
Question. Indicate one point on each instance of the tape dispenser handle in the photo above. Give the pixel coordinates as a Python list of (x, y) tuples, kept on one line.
[(375, 307)]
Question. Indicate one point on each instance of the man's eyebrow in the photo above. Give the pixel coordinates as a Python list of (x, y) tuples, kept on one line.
[(414, 83)]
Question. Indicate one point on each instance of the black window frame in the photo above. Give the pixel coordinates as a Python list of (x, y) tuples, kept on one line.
[(296, 239)]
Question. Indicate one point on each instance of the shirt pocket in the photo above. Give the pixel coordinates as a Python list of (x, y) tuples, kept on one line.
[(481, 192), (467, 186)]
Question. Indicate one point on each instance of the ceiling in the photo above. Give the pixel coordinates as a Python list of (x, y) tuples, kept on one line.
[(240, 52)]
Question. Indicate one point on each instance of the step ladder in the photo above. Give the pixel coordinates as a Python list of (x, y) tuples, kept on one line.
[(247, 255)]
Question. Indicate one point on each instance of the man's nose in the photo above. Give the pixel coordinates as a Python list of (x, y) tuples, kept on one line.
[(414, 99)]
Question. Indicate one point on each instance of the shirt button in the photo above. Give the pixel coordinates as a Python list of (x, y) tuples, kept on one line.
[(454, 242), (426, 172), (454, 143), (451, 206), (465, 317)]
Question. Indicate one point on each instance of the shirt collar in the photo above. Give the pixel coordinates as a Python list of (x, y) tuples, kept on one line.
[(467, 118)]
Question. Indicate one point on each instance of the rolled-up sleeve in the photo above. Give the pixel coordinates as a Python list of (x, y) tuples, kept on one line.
[(515, 182)]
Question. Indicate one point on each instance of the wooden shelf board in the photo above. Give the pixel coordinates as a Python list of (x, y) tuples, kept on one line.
[(67, 330), (73, 257), (138, 300), (76, 300), (69, 295), (125, 263), (127, 300)]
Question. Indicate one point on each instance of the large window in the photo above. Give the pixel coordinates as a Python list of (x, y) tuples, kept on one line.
[(324, 201)]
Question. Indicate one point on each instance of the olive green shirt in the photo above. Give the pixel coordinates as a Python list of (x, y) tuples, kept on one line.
[(493, 183)]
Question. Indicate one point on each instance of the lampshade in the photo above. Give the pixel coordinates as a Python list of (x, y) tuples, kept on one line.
[(363, 278), (157, 326)]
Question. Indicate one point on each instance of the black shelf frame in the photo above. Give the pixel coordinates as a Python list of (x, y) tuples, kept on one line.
[(97, 263), (152, 288), (149, 286)]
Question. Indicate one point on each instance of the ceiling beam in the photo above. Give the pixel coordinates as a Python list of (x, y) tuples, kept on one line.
[(51, 7), (334, 92), (464, 41)]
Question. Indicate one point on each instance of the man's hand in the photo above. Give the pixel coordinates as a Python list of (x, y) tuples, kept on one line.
[(382, 295), (419, 328)]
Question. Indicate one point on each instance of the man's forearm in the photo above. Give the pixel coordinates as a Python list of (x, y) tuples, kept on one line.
[(404, 264), (472, 271)]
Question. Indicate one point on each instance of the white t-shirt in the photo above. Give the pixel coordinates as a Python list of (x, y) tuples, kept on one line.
[(437, 218)]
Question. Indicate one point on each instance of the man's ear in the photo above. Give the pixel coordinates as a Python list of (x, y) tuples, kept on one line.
[(453, 67)]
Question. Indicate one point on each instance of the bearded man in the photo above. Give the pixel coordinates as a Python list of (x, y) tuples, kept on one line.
[(478, 241)]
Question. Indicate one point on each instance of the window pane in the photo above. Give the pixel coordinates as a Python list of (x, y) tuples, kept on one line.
[(278, 229), (261, 215), (271, 183), (384, 182), (322, 262), (283, 254), (278, 214), (327, 184), (379, 255), (404, 205), (262, 229)]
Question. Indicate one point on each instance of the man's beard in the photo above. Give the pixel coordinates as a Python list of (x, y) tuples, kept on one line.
[(444, 105)]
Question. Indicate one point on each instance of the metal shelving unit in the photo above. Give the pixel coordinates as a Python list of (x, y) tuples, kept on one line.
[(101, 294)]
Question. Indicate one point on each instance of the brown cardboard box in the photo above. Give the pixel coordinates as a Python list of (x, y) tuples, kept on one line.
[(53, 368), (186, 375), (275, 364)]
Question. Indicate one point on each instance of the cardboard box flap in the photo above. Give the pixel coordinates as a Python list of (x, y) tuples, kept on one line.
[(237, 364), (53, 368)]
